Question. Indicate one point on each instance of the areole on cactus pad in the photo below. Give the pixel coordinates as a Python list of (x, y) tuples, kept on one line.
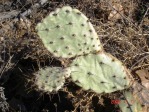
[(67, 33), (101, 73)]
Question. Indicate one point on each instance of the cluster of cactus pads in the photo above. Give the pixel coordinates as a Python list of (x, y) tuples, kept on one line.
[(67, 34)]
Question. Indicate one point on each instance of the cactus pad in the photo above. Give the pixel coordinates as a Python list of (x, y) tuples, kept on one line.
[(130, 104), (50, 79), (142, 93), (100, 73), (67, 33)]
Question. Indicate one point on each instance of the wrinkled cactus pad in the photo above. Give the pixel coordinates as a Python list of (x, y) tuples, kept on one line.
[(50, 79), (67, 33), (101, 73), (129, 103), (142, 93)]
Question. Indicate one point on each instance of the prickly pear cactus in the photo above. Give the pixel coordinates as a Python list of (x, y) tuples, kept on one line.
[(130, 104), (142, 93), (67, 33), (101, 73), (50, 79)]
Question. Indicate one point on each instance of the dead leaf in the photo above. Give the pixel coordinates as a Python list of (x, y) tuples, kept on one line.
[(146, 84), (144, 76), (116, 12)]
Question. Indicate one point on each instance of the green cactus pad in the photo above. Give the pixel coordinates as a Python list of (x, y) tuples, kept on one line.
[(101, 73), (129, 103), (67, 33), (141, 92), (51, 78)]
